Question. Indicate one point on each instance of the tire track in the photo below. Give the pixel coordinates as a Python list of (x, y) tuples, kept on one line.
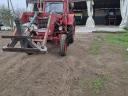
[(69, 75)]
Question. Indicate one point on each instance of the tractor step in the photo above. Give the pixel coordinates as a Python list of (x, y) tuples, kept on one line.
[(27, 50)]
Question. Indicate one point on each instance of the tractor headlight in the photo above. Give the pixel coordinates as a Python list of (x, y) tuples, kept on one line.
[(60, 28)]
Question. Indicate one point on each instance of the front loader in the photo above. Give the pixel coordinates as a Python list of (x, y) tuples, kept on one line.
[(52, 21)]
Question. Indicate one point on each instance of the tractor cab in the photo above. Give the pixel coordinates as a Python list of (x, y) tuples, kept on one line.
[(54, 7), (48, 6)]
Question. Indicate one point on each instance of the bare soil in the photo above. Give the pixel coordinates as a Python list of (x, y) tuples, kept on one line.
[(92, 67)]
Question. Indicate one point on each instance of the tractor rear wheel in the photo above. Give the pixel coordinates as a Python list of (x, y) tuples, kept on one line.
[(63, 45)]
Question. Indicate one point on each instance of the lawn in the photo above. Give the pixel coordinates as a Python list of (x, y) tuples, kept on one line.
[(118, 38)]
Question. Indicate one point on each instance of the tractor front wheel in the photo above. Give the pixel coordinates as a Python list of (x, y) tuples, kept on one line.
[(63, 45)]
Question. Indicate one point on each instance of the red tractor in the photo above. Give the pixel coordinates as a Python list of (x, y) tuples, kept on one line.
[(51, 20)]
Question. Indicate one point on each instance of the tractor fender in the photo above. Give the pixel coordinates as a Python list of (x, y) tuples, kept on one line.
[(70, 20)]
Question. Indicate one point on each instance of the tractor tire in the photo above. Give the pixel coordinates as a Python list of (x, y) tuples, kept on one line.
[(63, 45), (70, 38)]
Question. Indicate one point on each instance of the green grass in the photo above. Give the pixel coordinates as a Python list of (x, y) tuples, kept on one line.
[(118, 38), (97, 84)]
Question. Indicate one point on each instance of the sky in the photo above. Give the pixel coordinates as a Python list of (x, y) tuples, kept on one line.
[(16, 3)]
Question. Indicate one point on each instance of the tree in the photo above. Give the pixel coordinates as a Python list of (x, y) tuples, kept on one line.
[(5, 15)]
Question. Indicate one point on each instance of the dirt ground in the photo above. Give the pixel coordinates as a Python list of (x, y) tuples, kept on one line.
[(92, 67)]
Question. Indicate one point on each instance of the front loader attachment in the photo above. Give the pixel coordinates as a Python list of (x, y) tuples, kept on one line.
[(22, 43)]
